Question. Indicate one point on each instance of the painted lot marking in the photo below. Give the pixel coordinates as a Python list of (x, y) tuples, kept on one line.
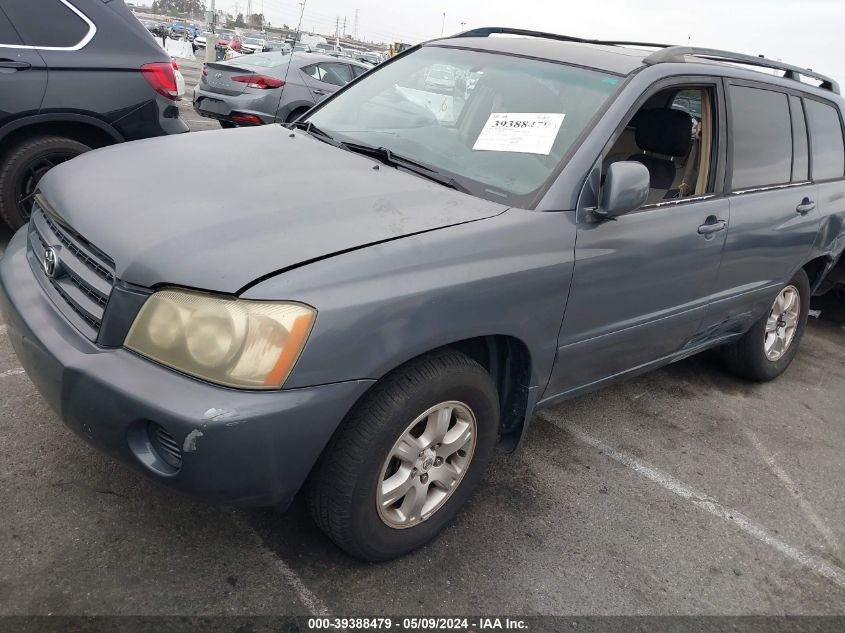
[(309, 600), (706, 503), (17, 371)]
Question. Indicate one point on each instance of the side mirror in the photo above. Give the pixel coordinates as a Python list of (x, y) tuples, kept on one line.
[(625, 188)]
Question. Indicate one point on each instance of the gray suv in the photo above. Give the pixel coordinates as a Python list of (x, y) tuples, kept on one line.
[(419, 271)]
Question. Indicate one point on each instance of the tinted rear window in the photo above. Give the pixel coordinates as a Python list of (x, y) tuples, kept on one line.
[(826, 140), (46, 23), (762, 138)]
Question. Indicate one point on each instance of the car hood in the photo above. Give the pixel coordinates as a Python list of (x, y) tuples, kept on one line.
[(219, 210)]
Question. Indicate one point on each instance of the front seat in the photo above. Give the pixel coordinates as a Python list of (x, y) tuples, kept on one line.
[(663, 134)]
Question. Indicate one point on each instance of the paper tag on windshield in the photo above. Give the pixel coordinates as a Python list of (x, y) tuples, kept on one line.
[(526, 132)]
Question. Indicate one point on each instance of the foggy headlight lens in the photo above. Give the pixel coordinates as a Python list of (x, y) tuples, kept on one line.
[(232, 342)]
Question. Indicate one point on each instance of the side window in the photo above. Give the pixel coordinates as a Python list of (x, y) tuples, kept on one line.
[(800, 155), (762, 138), (326, 73), (46, 23), (358, 70), (336, 71), (826, 140), (8, 36), (673, 135), (688, 101)]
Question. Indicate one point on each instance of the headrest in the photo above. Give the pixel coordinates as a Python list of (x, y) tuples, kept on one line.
[(664, 131)]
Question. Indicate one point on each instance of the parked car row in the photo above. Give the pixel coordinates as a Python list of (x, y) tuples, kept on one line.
[(270, 87)]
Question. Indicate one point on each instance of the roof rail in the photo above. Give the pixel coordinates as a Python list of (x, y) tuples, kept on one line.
[(679, 54), (487, 31), (668, 53)]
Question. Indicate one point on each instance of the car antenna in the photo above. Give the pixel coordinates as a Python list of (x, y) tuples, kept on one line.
[(296, 39)]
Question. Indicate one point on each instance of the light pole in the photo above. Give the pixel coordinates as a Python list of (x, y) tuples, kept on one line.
[(443, 26), (463, 26)]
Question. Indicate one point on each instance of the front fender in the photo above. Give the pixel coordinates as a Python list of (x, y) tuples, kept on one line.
[(385, 304)]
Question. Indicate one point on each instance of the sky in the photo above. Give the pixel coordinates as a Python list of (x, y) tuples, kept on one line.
[(806, 33)]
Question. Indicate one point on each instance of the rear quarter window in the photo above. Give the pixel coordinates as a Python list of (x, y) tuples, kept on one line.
[(761, 131), (47, 23), (826, 140)]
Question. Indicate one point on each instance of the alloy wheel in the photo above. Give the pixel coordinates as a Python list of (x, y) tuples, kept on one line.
[(782, 323), (426, 464), (27, 186)]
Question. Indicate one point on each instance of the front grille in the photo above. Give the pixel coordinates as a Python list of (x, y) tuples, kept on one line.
[(81, 278), (166, 447)]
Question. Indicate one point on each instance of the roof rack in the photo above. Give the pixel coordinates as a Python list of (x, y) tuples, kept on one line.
[(669, 53), (680, 53), (487, 31)]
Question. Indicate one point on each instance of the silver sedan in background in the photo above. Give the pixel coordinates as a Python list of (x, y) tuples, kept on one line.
[(270, 87)]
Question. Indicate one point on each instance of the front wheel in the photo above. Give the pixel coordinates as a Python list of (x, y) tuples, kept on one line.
[(769, 346), (408, 457)]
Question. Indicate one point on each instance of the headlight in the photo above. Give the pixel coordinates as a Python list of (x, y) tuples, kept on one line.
[(232, 342)]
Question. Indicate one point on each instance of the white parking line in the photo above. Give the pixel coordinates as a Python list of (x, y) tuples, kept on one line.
[(17, 371), (311, 602), (2, 329), (806, 507), (701, 500)]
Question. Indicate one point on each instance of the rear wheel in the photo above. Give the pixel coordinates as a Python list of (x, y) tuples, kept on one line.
[(407, 457), (22, 169), (293, 116), (768, 348)]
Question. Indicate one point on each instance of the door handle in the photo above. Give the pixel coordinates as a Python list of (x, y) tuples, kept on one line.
[(806, 206), (711, 226), (8, 63), (320, 92)]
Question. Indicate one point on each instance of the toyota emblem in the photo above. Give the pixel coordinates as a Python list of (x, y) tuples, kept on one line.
[(50, 262)]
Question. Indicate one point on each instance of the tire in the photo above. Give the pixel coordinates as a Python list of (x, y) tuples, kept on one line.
[(22, 168), (293, 116), (344, 490), (748, 357), (226, 124)]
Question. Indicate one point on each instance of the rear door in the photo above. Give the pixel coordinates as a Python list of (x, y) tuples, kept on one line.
[(23, 75), (774, 219)]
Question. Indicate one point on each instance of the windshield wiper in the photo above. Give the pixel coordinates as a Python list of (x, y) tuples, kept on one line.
[(314, 131), (392, 159)]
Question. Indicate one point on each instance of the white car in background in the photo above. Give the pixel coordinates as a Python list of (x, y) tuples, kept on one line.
[(201, 39), (251, 45)]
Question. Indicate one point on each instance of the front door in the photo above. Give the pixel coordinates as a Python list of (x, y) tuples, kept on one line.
[(642, 282)]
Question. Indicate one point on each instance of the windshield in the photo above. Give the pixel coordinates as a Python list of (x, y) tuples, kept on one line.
[(498, 124), (252, 40)]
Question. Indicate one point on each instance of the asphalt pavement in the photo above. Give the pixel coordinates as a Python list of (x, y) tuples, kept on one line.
[(685, 491)]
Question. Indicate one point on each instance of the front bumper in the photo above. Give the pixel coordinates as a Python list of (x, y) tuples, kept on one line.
[(240, 448)]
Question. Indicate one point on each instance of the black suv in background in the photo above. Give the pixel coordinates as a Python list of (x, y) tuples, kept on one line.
[(74, 75)]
